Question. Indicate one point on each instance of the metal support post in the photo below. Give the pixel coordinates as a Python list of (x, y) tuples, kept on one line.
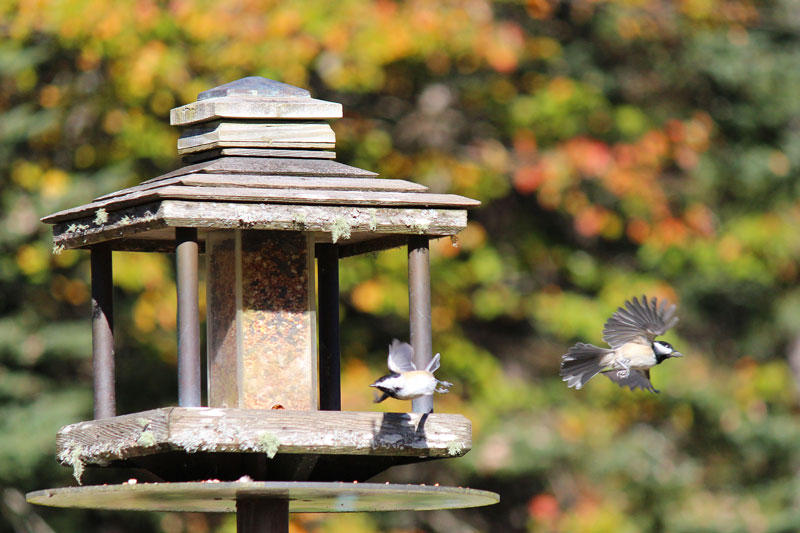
[(419, 311), (103, 332), (330, 393), (186, 252)]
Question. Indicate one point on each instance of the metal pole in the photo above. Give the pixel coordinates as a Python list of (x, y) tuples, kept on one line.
[(419, 311), (254, 515), (330, 387), (103, 331), (186, 252)]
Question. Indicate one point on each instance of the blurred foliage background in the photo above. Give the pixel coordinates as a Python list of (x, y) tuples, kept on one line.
[(618, 146)]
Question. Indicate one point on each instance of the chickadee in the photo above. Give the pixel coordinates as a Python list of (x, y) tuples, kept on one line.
[(406, 382), (631, 333)]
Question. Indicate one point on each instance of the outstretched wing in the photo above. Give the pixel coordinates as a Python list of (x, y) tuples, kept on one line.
[(637, 379), (639, 321), (401, 357)]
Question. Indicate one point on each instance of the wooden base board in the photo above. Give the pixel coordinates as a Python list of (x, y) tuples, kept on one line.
[(186, 442)]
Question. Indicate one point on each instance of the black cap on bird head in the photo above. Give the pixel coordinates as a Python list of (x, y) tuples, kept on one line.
[(664, 350)]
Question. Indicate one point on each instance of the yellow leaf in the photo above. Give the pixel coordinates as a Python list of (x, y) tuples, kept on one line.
[(54, 183), (367, 296), (32, 259)]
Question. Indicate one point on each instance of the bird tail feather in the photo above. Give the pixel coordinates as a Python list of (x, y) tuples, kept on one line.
[(581, 363)]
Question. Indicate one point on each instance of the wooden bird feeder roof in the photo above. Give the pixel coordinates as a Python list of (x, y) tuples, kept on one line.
[(257, 160)]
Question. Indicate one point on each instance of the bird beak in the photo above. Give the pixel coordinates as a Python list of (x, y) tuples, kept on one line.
[(676, 354)]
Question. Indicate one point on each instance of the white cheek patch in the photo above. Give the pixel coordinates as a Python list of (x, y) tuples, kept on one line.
[(392, 382), (660, 349)]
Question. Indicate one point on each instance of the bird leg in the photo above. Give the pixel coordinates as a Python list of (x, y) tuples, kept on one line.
[(625, 363)]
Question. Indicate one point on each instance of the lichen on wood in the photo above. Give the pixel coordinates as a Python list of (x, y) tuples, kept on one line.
[(340, 228), (420, 226), (73, 457), (101, 216), (104, 226), (268, 444), (455, 448), (146, 439)]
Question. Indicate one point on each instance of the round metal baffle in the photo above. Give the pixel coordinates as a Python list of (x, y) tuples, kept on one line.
[(304, 497)]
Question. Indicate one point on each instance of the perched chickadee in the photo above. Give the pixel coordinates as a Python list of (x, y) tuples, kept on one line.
[(631, 333), (406, 382)]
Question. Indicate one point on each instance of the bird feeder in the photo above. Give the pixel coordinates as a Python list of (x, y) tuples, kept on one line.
[(262, 198)]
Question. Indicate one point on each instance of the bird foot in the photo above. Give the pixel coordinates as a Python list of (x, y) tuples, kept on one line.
[(626, 369), (443, 387)]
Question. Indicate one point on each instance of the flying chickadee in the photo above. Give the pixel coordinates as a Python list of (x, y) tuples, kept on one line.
[(631, 333), (406, 382)]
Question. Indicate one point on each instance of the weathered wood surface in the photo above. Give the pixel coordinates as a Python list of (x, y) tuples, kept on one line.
[(254, 108), (270, 166), (257, 135), (331, 196), (346, 223), (82, 231), (151, 220), (259, 195), (257, 152), (256, 144), (203, 429), (274, 182)]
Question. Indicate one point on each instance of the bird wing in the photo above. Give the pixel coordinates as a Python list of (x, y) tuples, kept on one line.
[(639, 321), (401, 357), (637, 379)]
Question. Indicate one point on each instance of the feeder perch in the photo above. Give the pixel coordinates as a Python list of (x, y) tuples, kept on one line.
[(262, 198)]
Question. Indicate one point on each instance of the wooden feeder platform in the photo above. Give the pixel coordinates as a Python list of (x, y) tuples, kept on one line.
[(196, 443)]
